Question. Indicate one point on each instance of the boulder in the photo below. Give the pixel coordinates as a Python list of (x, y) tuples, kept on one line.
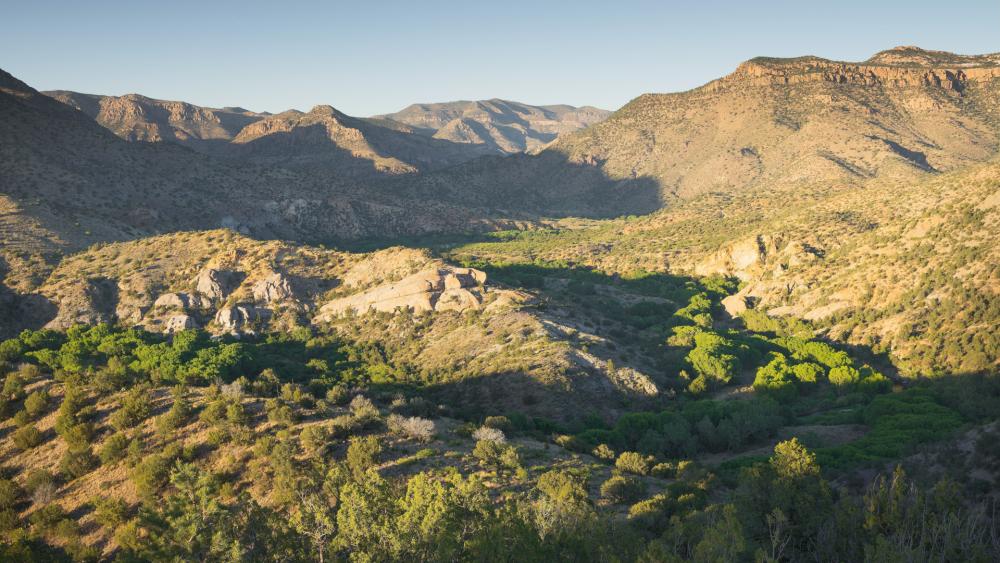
[(457, 300), (183, 301), (735, 304), (274, 287), (216, 284), (241, 318), (177, 323)]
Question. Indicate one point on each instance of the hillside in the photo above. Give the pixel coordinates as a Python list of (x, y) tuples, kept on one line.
[(321, 140), (904, 266), (774, 125), (137, 118), (504, 126), (68, 182), (327, 141)]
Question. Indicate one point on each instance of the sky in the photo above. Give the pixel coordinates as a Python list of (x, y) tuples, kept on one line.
[(366, 58)]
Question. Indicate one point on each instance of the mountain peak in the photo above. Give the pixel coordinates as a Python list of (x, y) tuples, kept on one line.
[(910, 55)]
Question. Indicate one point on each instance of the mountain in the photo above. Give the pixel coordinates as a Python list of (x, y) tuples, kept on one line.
[(773, 124), (137, 118), (504, 126), (68, 182), (803, 120), (323, 140), (326, 140)]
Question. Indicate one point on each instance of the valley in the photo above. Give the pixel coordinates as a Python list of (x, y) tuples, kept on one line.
[(755, 320)]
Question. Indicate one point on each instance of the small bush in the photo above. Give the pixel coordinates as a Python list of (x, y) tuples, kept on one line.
[(501, 423), (114, 449), (488, 434), (619, 489), (363, 409), (36, 403), (45, 518), (27, 437), (110, 512), (634, 462), (10, 494), (314, 438), (414, 427), (603, 451)]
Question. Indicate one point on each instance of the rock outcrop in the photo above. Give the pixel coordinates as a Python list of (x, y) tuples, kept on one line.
[(748, 258), (177, 323), (273, 288), (899, 67), (241, 318), (216, 285), (437, 289), (182, 301), (86, 302)]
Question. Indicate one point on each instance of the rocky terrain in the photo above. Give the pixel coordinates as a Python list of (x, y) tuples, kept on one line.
[(501, 125)]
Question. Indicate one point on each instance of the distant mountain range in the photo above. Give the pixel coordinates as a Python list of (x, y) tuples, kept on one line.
[(506, 126), (417, 139)]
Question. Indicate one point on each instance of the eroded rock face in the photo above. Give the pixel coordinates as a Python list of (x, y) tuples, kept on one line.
[(177, 323), (241, 318), (216, 284), (88, 302), (437, 289), (273, 288), (182, 301), (747, 259)]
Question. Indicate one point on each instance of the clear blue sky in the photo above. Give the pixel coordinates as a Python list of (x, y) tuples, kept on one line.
[(375, 57)]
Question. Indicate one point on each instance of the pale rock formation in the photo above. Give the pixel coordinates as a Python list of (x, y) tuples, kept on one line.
[(274, 287), (436, 289), (241, 318), (177, 323), (215, 284), (735, 304), (747, 259), (180, 300)]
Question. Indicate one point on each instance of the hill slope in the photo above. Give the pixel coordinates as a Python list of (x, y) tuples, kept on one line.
[(773, 124), (502, 125)]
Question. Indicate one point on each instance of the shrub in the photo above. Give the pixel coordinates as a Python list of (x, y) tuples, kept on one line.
[(278, 412), (619, 489), (76, 463), (314, 438), (363, 409), (110, 512), (501, 423), (133, 410), (414, 427), (41, 484), (178, 415), (487, 434), (604, 451), (21, 418), (664, 470), (46, 517), (114, 449), (36, 403), (337, 395), (10, 494), (27, 437), (362, 453), (13, 387), (634, 462), (497, 454), (213, 412)]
